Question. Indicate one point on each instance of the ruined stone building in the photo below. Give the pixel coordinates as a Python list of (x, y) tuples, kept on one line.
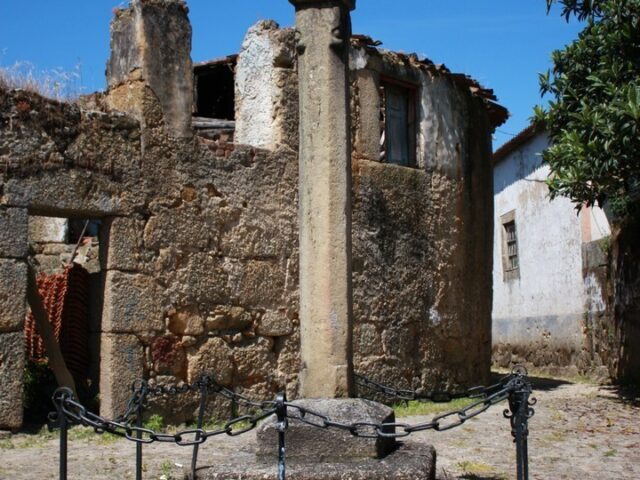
[(190, 176)]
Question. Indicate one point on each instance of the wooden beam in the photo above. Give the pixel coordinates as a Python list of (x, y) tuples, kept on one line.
[(56, 360)]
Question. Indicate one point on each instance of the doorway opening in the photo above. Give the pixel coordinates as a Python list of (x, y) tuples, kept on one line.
[(66, 259)]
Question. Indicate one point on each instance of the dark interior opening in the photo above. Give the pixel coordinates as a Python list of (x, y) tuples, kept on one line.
[(215, 90)]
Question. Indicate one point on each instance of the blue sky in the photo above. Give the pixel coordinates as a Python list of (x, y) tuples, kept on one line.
[(501, 43)]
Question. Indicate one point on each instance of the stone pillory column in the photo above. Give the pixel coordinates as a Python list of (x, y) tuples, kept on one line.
[(324, 31)]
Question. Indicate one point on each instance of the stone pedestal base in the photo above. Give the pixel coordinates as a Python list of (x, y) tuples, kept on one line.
[(314, 453), (408, 462), (312, 444)]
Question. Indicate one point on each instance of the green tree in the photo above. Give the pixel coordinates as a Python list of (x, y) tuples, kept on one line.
[(593, 118)]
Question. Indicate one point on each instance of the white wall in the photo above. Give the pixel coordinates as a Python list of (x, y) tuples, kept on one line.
[(548, 300), (255, 89)]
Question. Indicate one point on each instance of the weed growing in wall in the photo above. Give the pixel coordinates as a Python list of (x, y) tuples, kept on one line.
[(57, 84)]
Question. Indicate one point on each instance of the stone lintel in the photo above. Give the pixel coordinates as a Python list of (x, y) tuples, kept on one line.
[(409, 462), (307, 443), (350, 4)]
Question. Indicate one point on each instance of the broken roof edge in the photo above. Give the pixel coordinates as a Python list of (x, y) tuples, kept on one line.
[(520, 139), (226, 60), (498, 114)]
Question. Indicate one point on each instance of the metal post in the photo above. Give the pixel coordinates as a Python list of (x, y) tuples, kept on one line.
[(59, 397), (522, 433), (519, 414), (63, 442), (203, 403), (281, 426), (139, 444)]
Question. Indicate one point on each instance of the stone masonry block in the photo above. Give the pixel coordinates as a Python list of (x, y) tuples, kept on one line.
[(275, 324), (121, 363), (48, 229), (320, 445), (182, 227), (14, 227), (124, 243), (205, 277), (12, 362), (132, 304), (214, 357), (155, 38), (411, 461), (13, 291), (254, 360), (258, 283)]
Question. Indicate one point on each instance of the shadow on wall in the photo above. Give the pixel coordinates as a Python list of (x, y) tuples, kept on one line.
[(512, 164), (626, 278)]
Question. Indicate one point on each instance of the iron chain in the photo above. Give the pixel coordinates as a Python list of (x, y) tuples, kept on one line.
[(123, 426), (433, 395), (439, 423)]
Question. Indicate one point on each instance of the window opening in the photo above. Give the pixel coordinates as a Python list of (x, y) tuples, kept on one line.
[(510, 254), (215, 89), (398, 122), (512, 245)]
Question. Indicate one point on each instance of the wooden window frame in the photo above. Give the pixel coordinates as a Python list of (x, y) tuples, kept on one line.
[(410, 90)]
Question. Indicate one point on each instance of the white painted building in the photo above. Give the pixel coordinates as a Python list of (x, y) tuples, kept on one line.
[(543, 284)]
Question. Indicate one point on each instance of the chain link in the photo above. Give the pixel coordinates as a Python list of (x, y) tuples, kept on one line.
[(439, 423), (432, 395), (76, 413), (123, 426)]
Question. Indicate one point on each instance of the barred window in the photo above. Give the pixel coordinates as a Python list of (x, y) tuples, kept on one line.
[(510, 254), (512, 245)]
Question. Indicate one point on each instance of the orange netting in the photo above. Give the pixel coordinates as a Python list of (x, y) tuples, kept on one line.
[(66, 299)]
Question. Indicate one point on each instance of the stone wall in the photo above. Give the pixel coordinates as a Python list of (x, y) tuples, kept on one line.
[(13, 282), (421, 236), (623, 334), (199, 239), (200, 252), (600, 352)]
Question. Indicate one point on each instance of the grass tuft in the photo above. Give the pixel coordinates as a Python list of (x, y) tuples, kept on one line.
[(57, 83), (416, 407), (6, 444), (479, 470), (154, 423)]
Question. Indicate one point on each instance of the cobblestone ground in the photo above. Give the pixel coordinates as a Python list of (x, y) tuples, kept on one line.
[(579, 431)]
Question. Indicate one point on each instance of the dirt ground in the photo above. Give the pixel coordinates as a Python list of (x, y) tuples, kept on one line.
[(579, 431)]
